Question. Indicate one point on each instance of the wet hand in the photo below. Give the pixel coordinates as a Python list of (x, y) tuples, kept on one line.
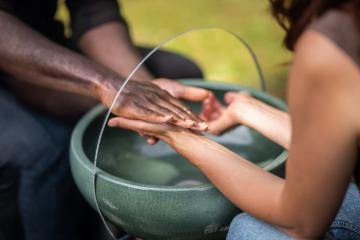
[(212, 109), (181, 91), (148, 102), (222, 118), (146, 129)]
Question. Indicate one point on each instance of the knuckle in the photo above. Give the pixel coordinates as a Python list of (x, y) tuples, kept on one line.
[(148, 111)]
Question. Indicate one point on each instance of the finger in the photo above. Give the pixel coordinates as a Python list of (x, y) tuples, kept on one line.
[(230, 97), (149, 109), (127, 124), (214, 103), (221, 124), (188, 122), (217, 105), (212, 108), (193, 93), (176, 119), (206, 111), (215, 115), (189, 115), (187, 110), (176, 102), (165, 103), (171, 89), (204, 115), (145, 128), (210, 113), (153, 131), (180, 90), (152, 140), (146, 114), (211, 97)]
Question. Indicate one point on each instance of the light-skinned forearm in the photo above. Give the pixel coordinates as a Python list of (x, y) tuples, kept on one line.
[(110, 45), (269, 121), (251, 188)]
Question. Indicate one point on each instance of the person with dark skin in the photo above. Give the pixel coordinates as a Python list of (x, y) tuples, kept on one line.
[(47, 81), (39, 61), (319, 197)]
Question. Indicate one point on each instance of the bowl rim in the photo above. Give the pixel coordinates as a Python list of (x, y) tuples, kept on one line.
[(76, 147)]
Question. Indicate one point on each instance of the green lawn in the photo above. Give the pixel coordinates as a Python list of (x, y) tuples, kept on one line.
[(220, 56)]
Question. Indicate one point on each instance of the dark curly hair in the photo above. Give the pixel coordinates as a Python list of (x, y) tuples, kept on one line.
[(295, 15)]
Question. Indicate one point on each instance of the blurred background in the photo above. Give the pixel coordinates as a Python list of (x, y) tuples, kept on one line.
[(220, 56)]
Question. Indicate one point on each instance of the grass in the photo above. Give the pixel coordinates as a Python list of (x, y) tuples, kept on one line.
[(220, 55)]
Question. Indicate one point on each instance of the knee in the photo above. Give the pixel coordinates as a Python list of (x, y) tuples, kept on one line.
[(349, 212), (247, 227), (240, 226), (26, 143), (26, 138)]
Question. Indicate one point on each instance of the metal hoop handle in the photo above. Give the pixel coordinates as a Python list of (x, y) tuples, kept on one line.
[(166, 41)]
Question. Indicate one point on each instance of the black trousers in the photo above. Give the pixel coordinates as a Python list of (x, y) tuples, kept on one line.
[(170, 65)]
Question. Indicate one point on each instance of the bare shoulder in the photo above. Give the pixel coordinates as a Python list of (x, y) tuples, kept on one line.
[(319, 63), (321, 68), (319, 55)]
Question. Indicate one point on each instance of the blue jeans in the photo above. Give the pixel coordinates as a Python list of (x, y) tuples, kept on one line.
[(37, 194), (346, 225)]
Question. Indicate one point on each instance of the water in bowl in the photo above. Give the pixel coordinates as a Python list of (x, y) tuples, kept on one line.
[(126, 155)]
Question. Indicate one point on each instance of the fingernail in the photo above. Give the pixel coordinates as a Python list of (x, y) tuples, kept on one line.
[(203, 125), (189, 122), (187, 111), (168, 118)]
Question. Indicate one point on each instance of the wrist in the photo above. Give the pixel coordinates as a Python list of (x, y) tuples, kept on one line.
[(244, 118), (251, 113), (181, 138), (174, 137), (106, 89), (190, 144)]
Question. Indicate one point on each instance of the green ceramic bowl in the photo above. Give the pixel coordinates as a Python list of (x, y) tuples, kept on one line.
[(152, 192)]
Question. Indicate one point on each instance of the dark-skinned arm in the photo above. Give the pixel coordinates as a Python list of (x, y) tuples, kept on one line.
[(110, 45), (101, 33), (29, 56)]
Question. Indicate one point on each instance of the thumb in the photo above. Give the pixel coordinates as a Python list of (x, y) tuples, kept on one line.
[(220, 125), (193, 93), (230, 97)]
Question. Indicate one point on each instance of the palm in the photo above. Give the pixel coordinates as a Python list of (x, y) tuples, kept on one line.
[(212, 109), (220, 117)]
